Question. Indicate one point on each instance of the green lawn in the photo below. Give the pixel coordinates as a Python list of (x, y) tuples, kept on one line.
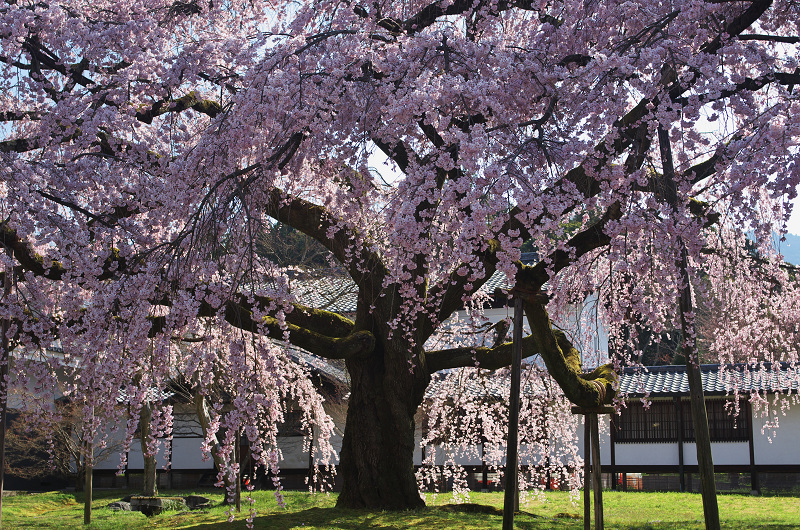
[(622, 510)]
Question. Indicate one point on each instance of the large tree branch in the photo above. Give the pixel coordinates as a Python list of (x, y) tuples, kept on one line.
[(772, 38), (428, 15), (562, 359), (36, 264), (740, 23), (533, 277), (628, 131), (239, 312), (364, 266), (749, 84), (189, 101), (318, 320)]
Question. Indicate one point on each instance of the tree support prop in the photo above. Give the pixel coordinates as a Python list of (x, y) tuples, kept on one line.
[(510, 504), (592, 440), (87, 487)]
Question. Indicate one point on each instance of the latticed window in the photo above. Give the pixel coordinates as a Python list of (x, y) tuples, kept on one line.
[(723, 425), (659, 422)]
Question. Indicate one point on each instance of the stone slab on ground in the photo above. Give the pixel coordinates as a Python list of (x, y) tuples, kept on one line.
[(155, 505)]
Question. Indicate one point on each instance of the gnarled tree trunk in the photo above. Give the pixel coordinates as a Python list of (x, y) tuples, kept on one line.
[(377, 457)]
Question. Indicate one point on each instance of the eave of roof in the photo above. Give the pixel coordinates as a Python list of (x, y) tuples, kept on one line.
[(340, 294), (669, 381)]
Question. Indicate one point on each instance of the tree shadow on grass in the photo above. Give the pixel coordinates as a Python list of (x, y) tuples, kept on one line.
[(430, 517), (332, 518)]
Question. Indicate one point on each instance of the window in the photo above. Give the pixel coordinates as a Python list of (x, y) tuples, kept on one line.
[(723, 426), (659, 423)]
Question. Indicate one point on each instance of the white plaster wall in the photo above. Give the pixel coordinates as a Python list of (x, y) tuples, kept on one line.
[(110, 462), (292, 454), (470, 457), (785, 445), (604, 423), (336, 442), (655, 454), (556, 452), (136, 461), (723, 453), (338, 413), (599, 337), (109, 458), (187, 454)]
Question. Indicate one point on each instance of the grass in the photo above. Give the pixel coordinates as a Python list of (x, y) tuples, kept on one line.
[(623, 510)]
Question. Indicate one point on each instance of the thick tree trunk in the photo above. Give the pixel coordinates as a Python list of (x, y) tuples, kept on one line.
[(377, 457)]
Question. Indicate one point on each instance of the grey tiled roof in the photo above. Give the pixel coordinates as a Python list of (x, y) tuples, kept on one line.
[(319, 366), (153, 395), (672, 380), (662, 381), (337, 294), (340, 295)]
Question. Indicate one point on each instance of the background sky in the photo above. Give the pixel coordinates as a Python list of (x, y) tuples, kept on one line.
[(794, 222)]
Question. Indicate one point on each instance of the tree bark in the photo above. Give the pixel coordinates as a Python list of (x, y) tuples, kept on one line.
[(377, 457)]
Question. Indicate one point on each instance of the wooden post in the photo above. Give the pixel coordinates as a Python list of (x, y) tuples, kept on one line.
[(238, 457), (511, 500), (87, 487), (681, 471), (591, 445), (613, 436), (754, 485), (484, 467), (311, 457), (5, 358), (597, 478), (587, 473), (702, 439)]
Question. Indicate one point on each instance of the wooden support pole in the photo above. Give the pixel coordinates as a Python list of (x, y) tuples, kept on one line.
[(591, 459), (597, 478), (681, 470), (755, 488), (511, 499), (87, 486), (587, 473), (310, 475), (612, 430), (484, 467), (705, 463), (238, 457), (5, 358)]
